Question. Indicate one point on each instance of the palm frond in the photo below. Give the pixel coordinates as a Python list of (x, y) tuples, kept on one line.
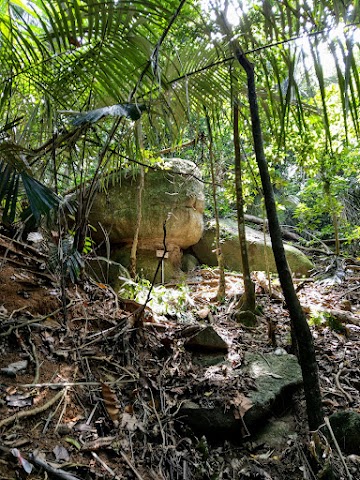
[(15, 170), (132, 111)]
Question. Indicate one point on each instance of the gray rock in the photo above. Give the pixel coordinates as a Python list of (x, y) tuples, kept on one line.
[(206, 340), (189, 262), (204, 250), (346, 428), (276, 433), (208, 359), (274, 377), (210, 420)]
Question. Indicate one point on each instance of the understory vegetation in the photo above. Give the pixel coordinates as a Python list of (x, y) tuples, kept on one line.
[(263, 97)]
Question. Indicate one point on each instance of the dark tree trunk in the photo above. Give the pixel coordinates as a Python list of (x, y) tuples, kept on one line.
[(300, 326)]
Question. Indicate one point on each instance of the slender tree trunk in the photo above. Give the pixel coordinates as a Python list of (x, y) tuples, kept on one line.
[(333, 215), (134, 246), (247, 301), (219, 256), (337, 237), (300, 326)]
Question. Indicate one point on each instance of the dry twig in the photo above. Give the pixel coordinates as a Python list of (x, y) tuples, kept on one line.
[(33, 411), (327, 423), (57, 472)]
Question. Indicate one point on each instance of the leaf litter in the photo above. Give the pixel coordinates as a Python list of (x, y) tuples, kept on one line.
[(105, 396)]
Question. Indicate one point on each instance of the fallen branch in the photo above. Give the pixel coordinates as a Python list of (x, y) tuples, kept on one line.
[(327, 423), (105, 466), (339, 387), (57, 472), (30, 322), (286, 233), (33, 411), (136, 473)]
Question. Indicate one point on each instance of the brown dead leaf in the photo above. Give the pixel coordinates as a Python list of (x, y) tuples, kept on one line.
[(203, 313), (129, 409), (111, 402), (242, 404), (131, 423)]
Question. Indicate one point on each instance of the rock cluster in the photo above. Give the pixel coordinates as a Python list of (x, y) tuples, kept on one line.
[(172, 205)]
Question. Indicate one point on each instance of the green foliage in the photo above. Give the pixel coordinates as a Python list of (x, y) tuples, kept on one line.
[(164, 301), (16, 176), (92, 60), (324, 319), (88, 243)]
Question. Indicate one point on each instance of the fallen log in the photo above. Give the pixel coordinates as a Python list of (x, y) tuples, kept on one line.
[(285, 232)]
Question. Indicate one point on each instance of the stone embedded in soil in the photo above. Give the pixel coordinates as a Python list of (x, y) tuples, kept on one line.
[(274, 378), (346, 428), (206, 340), (208, 359), (275, 433), (273, 375), (189, 262), (245, 317)]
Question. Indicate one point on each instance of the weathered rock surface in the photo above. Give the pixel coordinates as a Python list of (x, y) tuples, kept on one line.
[(208, 340), (274, 376), (189, 262), (147, 262), (173, 194), (259, 253), (346, 428), (276, 433)]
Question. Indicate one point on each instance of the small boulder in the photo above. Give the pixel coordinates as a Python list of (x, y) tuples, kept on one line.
[(206, 340), (189, 262), (273, 375), (260, 253), (346, 428)]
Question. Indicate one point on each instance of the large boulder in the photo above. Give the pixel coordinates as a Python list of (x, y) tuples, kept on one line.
[(260, 253), (173, 193)]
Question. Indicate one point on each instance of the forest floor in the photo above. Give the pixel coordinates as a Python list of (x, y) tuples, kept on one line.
[(89, 394)]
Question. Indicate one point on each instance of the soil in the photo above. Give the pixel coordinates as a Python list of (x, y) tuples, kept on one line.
[(99, 388)]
